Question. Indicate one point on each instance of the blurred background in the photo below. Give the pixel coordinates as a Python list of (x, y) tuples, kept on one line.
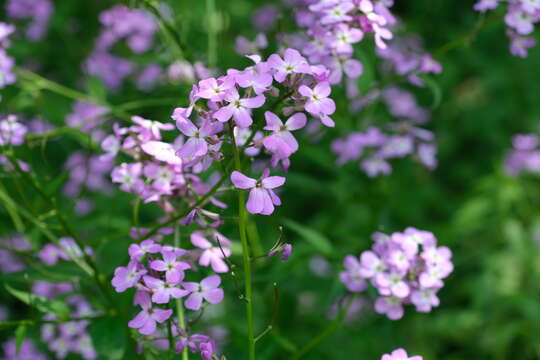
[(490, 305)]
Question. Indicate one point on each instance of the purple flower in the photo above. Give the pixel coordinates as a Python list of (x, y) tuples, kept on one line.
[(12, 132), (287, 251), (213, 90), (337, 13), (519, 45), (519, 19), (344, 36), (376, 165), (211, 255), (208, 289), (38, 11), (484, 5), (400, 354), (137, 251), (318, 103), (146, 320), (239, 109), (292, 63), (7, 76), (162, 291), (390, 306), (174, 270), (281, 141), (352, 277), (261, 196), (127, 277), (197, 143), (128, 175)]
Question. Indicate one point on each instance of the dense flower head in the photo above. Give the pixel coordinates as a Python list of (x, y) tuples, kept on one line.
[(38, 11), (158, 273), (520, 18), (405, 268), (524, 156)]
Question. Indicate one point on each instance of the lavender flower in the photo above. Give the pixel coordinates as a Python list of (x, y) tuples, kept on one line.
[(405, 268)]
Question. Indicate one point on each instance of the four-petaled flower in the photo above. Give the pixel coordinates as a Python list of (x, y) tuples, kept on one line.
[(174, 270), (318, 103), (146, 320), (281, 141), (261, 196), (197, 144), (162, 291), (239, 109), (208, 289)]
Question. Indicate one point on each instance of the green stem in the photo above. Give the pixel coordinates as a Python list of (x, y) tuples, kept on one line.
[(86, 263), (212, 43), (179, 304), (30, 322), (242, 224), (327, 331), (40, 82)]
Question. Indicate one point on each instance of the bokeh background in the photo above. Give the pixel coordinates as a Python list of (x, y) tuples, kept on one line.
[(490, 305)]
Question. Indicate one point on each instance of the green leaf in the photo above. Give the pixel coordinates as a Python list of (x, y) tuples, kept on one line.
[(40, 303), (319, 241), (109, 338), (20, 335)]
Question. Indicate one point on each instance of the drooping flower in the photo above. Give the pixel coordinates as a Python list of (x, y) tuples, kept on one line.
[(145, 321)]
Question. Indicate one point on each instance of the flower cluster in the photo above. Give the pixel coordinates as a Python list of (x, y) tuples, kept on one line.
[(39, 11), (163, 170), (334, 26), (137, 27), (521, 16), (7, 76), (374, 147), (400, 354), (27, 351), (157, 173), (72, 336), (525, 155), (405, 268), (158, 273)]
